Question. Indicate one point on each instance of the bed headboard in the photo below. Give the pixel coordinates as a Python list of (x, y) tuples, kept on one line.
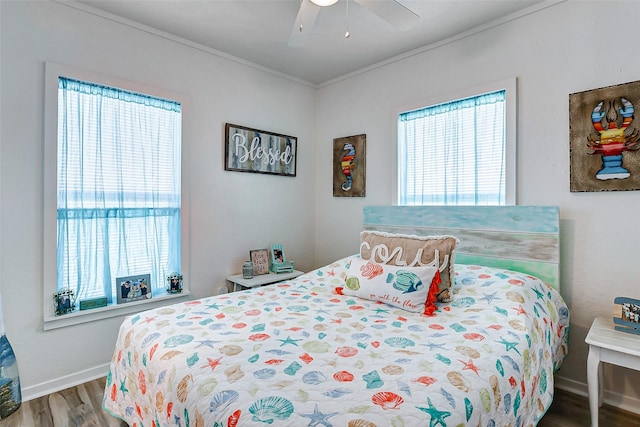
[(521, 238)]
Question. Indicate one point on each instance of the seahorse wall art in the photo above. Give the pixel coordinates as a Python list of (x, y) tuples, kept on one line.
[(349, 166), (605, 139)]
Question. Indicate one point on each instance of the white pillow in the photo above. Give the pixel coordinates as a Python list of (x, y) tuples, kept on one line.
[(403, 287)]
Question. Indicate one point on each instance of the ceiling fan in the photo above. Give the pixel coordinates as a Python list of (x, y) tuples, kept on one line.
[(391, 11)]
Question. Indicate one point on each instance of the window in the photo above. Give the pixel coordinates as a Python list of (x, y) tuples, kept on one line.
[(116, 169), (458, 152)]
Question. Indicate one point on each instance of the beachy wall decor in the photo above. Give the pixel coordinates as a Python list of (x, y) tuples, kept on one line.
[(254, 150), (605, 139), (349, 161)]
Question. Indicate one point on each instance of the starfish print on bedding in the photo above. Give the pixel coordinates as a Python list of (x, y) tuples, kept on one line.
[(470, 366), (509, 345), (520, 310), (208, 343), (212, 363), (318, 417), (434, 346), (437, 417), (539, 294), (489, 297), (289, 340)]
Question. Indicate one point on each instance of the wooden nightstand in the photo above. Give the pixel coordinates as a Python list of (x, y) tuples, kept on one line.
[(240, 283), (610, 346)]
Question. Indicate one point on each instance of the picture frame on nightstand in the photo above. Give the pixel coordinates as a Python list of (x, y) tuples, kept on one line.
[(626, 315), (279, 262), (260, 260)]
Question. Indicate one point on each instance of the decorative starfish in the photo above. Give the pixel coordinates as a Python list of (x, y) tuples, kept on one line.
[(318, 418), (437, 417), (208, 343), (509, 345), (289, 341), (489, 297), (434, 346), (520, 310), (539, 294), (214, 305), (212, 363), (469, 365)]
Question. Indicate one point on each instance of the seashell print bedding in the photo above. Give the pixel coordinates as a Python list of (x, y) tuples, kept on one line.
[(299, 354)]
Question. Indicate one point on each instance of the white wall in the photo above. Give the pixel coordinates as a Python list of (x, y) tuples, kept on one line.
[(570, 47), (567, 48), (228, 213)]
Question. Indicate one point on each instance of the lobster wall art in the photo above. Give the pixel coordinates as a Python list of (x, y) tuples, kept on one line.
[(605, 139), (349, 166)]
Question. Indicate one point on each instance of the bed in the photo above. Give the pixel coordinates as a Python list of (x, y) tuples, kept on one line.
[(314, 352)]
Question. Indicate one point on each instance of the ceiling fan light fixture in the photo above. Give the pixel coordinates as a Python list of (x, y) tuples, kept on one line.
[(323, 3)]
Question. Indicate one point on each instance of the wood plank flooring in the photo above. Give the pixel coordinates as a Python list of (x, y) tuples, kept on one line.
[(81, 406)]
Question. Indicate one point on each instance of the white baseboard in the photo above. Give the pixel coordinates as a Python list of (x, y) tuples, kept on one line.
[(53, 386), (617, 400)]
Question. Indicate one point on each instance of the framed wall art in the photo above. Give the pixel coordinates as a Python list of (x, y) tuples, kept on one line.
[(260, 260), (133, 288), (605, 138), (258, 151), (349, 155)]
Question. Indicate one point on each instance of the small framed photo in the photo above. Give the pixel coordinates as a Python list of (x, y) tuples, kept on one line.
[(174, 283), (626, 314), (64, 302), (260, 260), (133, 288)]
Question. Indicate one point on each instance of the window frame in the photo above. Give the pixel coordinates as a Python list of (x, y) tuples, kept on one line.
[(509, 86), (50, 320)]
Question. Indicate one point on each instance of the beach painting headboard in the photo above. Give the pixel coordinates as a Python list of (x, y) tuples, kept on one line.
[(520, 238)]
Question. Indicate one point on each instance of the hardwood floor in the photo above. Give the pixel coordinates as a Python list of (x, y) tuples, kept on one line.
[(81, 406)]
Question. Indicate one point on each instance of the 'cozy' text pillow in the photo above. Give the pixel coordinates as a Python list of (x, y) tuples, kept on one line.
[(413, 251)]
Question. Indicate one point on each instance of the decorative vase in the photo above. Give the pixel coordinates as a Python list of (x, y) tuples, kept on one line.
[(10, 393), (247, 270)]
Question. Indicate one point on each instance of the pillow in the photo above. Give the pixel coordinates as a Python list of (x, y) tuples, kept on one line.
[(412, 251), (412, 289)]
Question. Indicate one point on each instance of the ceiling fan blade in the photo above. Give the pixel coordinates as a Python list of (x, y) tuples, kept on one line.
[(393, 12), (303, 27)]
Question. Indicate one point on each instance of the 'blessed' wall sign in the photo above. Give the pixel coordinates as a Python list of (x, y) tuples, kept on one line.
[(253, 150)]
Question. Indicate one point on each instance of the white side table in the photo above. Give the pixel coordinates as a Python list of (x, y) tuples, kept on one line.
[(264, 279), (610, 346)]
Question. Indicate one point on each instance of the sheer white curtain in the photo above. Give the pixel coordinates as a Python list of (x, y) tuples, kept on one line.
[(453, 153), (118, 188)]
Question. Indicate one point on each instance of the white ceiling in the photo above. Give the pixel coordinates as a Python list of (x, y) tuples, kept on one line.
[(258, 30)]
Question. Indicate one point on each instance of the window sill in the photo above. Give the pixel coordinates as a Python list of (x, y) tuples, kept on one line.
[(114, 310)]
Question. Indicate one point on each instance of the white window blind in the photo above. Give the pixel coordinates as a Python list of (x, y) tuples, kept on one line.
[(454, 153), (118, 188)]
